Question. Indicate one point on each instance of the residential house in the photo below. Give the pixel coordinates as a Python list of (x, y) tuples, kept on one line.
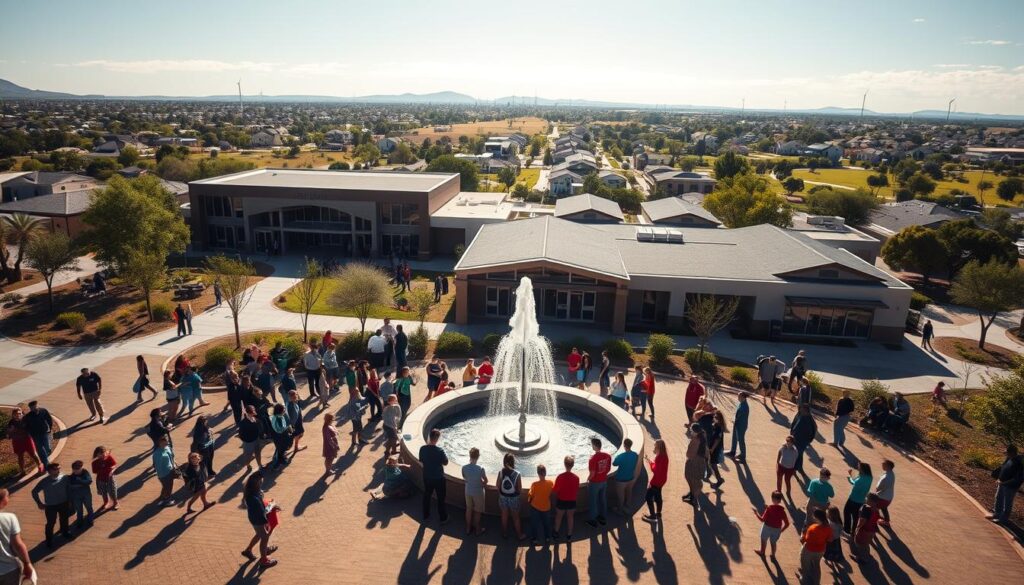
[(265, 138), (676, 182), (587, 208), (613, 180), (564, 182), (675, 211), (388, 144), (26, 184), (888, 219), (828, 151), (788, 148)]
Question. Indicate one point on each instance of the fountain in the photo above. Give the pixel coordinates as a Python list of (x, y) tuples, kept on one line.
[(523, 411)]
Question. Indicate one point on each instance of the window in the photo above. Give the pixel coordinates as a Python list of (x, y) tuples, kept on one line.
[(399, 214), (215, 206), (498, 301), (824, 321)]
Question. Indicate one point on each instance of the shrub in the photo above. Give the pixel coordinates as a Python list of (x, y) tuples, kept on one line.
[(969, 354), (418, 343), (940, 438), (562, 348), (74, 321), (980, 458), (490, 343), (352, 346), (619, 350), (869, 390), (10, 298), (659, 347), (452, 344), (817, 384), (217, 357), (919, 301), (740, 375), (162, 311), (293, 345), (9, 471), (692, 357), (106, 329)]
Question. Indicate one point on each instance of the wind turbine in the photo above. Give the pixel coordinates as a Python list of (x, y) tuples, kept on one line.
[(863, 101), (949, 108), (241, 107)]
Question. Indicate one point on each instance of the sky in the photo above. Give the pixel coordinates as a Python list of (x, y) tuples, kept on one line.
[(907, 54)]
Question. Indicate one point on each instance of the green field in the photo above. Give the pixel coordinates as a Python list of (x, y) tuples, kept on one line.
[(529, 177), (859, 179)]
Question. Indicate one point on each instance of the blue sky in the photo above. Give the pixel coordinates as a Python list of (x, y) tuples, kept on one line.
[(909, 54)]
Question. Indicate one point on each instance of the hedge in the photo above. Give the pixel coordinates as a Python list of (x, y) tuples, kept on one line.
[(659, 347), (619, 350), (106, 329), (73, 320), (452, 344)]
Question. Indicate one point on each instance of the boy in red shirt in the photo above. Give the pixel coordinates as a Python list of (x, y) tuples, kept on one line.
[(567, 485), (574, 364), (774, 523), (485, 372), (600, 464)]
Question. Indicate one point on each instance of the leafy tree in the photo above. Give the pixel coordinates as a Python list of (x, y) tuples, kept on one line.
[(507, 176), (236, 279), (102, 168), (1001, 222), (1000, 409), (469, 178), (688, 163), (876, 182), (853, 206), (165, 151), (402, 155), (360, 289), (747, 200), (813, 164), (173, 168), (367, 152), (66, 160), (308, 291), (974, 243), (421, 300), (709, 314), (548, 158), (155, 223), (339, 166), (990, 289), (145, 271), (592, 184), (920, 184), (18, 230), (916, 248), (793, 184), (128, 157), (520, 191), (216, 167), (1010, 188), (50, 254), (209, 139), (729, 165)]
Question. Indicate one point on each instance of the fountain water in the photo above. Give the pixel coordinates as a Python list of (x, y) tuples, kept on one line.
[(524, 371)]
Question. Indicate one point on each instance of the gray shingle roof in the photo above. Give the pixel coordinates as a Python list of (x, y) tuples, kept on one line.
[(896, 216), (63, 203), (587, 202), (669, 207)]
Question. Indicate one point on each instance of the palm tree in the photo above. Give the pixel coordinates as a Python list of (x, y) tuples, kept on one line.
[(19, 229)]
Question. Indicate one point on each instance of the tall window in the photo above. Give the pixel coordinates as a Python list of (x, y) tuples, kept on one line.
[(399, 214), (498, 301), (216, 206)]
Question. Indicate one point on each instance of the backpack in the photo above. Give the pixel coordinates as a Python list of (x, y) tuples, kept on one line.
[(507, 487)]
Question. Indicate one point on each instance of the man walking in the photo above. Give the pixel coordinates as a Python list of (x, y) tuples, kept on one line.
[(927, 332), (433, 459), (179, 318), (1009, 477), (39, 424), (54, 502), (90, 385), (739, 430)]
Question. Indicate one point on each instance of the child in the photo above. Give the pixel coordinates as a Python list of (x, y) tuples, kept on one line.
[(476, 479), (539, 497), (774, 523), (80, 494), (396, 484), (103, 465), (834, 550), (567, 484), (350, 380), (442, 388), (355, 412)]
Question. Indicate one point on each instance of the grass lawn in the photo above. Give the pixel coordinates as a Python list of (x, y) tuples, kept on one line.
[(615, 164), (302, 160), (441, 312), (859, 179), (527, 126), (529, 177)]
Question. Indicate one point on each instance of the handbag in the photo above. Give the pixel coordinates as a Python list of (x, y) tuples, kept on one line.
[(137, 386)]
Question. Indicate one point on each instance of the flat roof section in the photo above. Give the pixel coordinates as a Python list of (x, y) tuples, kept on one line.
[(487, 206), (322, 179)]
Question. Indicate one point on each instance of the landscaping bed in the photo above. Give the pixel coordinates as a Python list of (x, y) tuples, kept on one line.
[(442, 312), (28, 278), (967, 350)]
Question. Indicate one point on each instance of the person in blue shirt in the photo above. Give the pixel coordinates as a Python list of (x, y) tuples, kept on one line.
[(163, 463), (739, 429), (625, 474), (191, 390)]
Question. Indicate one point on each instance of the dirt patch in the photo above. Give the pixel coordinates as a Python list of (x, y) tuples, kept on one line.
[(1015, 334), (526, 126), (967, 350), (28, 278)]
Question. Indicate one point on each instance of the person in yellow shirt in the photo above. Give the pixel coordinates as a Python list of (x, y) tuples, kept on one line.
[(539, 497)]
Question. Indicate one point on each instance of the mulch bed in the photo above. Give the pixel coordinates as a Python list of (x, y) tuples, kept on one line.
[(965, 349), (28, 278)]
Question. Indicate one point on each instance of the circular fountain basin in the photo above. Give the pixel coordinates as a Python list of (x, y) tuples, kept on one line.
[(462, 417)]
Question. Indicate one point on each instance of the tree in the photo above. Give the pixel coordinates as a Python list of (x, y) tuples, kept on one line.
[(173, 168), (360, 289), (50, 254), (548, 158), (155, 223), (367, 152), (128, 157), (421, 300), (747, 200), (18, 230), (793, 184), (876, 182), (709, 314), (469, 178), (507, 176), (65, 160), (983, 186), (990, 289), (236, 279), (916, 248), (1010, 188), (520, 191), (102, 168), (402, 155), (973, 243), (853, 206), (1000, 221), (813, 164), (145, 271), (309, 291), (688, 163), (339, 166), (921, 184), (592, 184), (1000, 409), (729, 165)]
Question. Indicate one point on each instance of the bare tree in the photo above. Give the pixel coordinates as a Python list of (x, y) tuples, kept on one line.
[(145, 271), (236, 279), (709, 314), (360, 289), (308, 291), (51, 253), (421, 299)]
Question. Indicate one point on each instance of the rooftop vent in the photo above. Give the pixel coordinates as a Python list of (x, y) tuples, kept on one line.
[(662, 235), (826, 221)]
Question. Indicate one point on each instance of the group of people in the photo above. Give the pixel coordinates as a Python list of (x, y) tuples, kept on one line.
[(638, 393), (59, 494)]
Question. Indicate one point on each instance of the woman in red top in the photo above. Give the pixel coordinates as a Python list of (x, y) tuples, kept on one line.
[(659, 475), (22, 442), (649, 391), (867, 526), (103, 466), (693, 393)]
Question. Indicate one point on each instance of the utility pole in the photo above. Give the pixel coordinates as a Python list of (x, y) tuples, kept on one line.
[(241, 107), (949, 108), (863, 101)]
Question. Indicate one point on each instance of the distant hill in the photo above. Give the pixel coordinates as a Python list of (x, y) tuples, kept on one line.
[(12, 91)]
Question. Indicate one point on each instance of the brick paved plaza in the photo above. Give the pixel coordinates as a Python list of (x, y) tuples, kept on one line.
[(331, 534)]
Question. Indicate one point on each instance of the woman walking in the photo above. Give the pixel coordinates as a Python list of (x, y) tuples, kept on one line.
[(861, 481), (619, 392), (103, 466), (716, 442), (143, 381), (785, 466), (510, 485), (696, 464), (196, 476), (294, 412), (21, 441), (172, 395), (659, 476), (844, 410), (649, 391), (163, 463), (331, 445), (259, 518), (203, 443)]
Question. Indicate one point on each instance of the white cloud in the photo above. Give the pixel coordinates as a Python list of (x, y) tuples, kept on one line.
[(164, 65), (918, 20), (994, 42), (303, 69), (952, 65)]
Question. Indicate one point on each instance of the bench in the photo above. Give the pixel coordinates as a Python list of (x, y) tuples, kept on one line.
[(188, 291)]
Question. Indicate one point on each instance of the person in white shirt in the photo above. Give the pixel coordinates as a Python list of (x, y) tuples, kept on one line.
[(376, 345), (389, 332), (12, 547), (311, 360), (885, 489)]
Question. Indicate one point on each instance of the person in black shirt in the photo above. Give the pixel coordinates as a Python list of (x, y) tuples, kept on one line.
[(401, 348), (39, 425), (158, 427), (1009, 477), (90, 384), (804, 429), (433, 459), (250, 431), (844, 410)]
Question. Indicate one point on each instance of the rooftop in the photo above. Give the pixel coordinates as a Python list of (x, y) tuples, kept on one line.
[(893, 217), (322, 179), (488, 206), (669, 207), (829, 228), (55, 204), (587, 202)]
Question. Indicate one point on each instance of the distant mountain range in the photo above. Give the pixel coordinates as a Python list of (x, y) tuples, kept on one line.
[(12, 91)]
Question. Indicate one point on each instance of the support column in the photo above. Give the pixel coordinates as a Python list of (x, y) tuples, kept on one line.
[(619, 312), (461, 299)]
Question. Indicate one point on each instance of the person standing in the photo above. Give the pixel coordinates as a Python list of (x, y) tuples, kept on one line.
[(294, 412), (434, 371), (659, 477), (694, 392), (574, 364), (803, 430), (158, 428), (600, 464), (844, 411), (218, 294), (39, 425), (774, 522), (179, 318), (196, 477), (258, 512), (437, 288), (401, 348), (1009, 477), (485, 372), (391, 418), (927, 333), (188, 317), (696, 464), (172, 394), (867, 527), (163, 463), (389, 332), (567, 487), (143, 382), (250, 431), (203, 443), (815, 539), (311, 361), (21, 442), (469, 374), (785, 466), (638, 391), (885, 489), (89, 386), (649, 390), (619, 393), (716, 444), (860, 480), (194, 393), (475, 478), (604, 377), (510, 489), (819, 492), (403, 388), (739, 429), (12, 548), (80, 495), (805, 394), (331, 445), (280, 430), (768, 371), (625, 475), (433, 459), (104, 465), (583, 373), (539, 498), (376, 347), (54, 502), (797, 370)]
